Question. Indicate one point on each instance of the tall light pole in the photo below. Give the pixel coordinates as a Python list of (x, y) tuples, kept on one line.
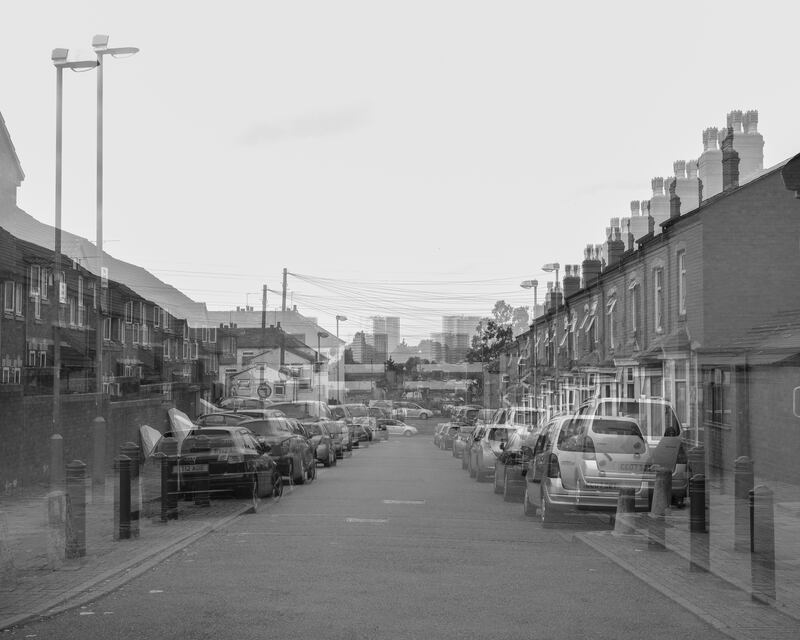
[(554, 266), (61, 62), (320, 334), (101, 49), (533, 284), (341, 360)]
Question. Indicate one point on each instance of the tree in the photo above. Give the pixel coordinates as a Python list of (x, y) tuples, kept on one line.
[(491, 342), (519, 320), (503, 312)]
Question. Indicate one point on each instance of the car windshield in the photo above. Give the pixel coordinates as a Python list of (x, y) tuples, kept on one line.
[(315, 429), (299, 410), (655, 419), (269, 427)]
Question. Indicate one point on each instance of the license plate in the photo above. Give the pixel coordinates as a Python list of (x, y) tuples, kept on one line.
[(191, 468)]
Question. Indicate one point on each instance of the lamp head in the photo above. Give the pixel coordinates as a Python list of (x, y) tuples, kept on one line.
[(551, 266), (60, 58), (101, 48), (341, 318), (529, 284)]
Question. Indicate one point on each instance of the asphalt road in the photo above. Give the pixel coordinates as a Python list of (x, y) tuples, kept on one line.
[(395, 542)]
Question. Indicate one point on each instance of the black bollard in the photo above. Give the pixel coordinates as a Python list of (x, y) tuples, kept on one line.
[(131, 449), (696, 457), (201, 497), (662, 496), (75, 546), (160, 460), (123, 465), (762, 557), (743, 485), (698, 527)]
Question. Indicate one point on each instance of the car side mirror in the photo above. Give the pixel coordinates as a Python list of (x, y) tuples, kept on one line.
[(502, 446)]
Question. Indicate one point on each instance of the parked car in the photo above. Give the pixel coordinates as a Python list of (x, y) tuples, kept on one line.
[(322, 444), (485, 451), (234, 403), (448, 436), (542, 449), (469, 443), (584, 462), (399, 428), (360, 434), (232, 459), (437, 432), (512, 463), (402, 409), (220, 419), (460, 442), (484, 416), (312, 411), (291, 451), (661, 429)]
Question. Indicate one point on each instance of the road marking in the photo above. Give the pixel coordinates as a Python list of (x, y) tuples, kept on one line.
[(366, 520), (403, 502)]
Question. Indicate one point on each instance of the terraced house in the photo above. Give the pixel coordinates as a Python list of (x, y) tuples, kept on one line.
[(678, 297)]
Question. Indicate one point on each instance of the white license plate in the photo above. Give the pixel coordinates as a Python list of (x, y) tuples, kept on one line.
[(191, 468)]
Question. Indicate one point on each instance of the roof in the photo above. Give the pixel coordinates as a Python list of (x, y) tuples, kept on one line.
[(6, 136), (142, 282), (771, 342)]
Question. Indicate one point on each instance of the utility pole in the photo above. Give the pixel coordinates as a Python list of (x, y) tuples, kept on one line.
[(264, 317), (283, 310)]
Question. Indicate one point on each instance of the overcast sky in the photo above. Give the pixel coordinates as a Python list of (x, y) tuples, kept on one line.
[(405, 158)]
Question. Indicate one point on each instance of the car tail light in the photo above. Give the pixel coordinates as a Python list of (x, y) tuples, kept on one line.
[(230, 458), (553, 468), (681, 459), (588, 448)]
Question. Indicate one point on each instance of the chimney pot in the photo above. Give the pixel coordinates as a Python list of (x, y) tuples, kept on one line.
[(658, 186), (679, 167), (635, 207)]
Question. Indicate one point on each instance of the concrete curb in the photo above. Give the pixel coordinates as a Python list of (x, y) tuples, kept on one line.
[(106, 582)]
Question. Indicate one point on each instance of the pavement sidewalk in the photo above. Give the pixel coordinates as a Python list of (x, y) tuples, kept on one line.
[(725, 588), (33, 583)]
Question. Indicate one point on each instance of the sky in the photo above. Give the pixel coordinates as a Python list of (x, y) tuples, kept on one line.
[(415, 159)]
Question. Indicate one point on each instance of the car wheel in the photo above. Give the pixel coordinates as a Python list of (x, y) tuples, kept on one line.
[(546, 511), (407, 433), (277, 484), (527, 508), (507, 496), (312, 471), (328, 462), (301, 474), (335, 460), (423, 416)]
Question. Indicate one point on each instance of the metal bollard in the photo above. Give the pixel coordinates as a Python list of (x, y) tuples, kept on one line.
[(762, 558), (75, 546), (697, 460), (743, 485), (698, 530), (201, 496), (131, 449), (98, 459), (623, 519), (56, 462), (160, 461), (662, 496), (123, 529)]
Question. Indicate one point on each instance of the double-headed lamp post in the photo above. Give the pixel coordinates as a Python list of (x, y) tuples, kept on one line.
[(61, 61), (533, 284), (340, 362), (554, 266), (101, 49), (320, 334)]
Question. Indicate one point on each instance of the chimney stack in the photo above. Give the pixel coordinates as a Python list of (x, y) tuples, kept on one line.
[(749, 144), (730, 160), (659, 204), (591, 266), (614, 246), (640, 224), (709, 165), (572, 280)]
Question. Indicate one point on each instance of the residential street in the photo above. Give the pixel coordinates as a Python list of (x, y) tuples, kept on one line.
[(395, 542)]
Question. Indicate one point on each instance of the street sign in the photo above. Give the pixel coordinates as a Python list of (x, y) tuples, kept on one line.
[(264, 391)]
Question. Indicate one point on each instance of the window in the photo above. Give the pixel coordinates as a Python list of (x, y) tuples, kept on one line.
[(106, 328), (35, 280), (44, 281), (73, 311), (144, 338), (610, 306), (156, 316), (185, 350), (136, 333), (37, 307), (129, 312), (212, 335), (167, 350), (42, 358), (194, 350), (682, 283), (658, 299), (19, 299), (80, 292), (635, 295), (31, 357)]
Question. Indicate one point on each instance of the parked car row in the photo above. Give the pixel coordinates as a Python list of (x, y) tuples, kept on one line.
[(576, 462), (254, 451)]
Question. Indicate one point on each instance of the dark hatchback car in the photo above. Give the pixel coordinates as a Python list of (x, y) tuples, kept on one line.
[(511, 466), (230, 458), (291, 451), (322, 444)]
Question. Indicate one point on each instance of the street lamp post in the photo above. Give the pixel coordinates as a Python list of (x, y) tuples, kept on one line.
[(320, 334), (341, 360), (101, 49), (61, 62), (554, 266), (533, 284)]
